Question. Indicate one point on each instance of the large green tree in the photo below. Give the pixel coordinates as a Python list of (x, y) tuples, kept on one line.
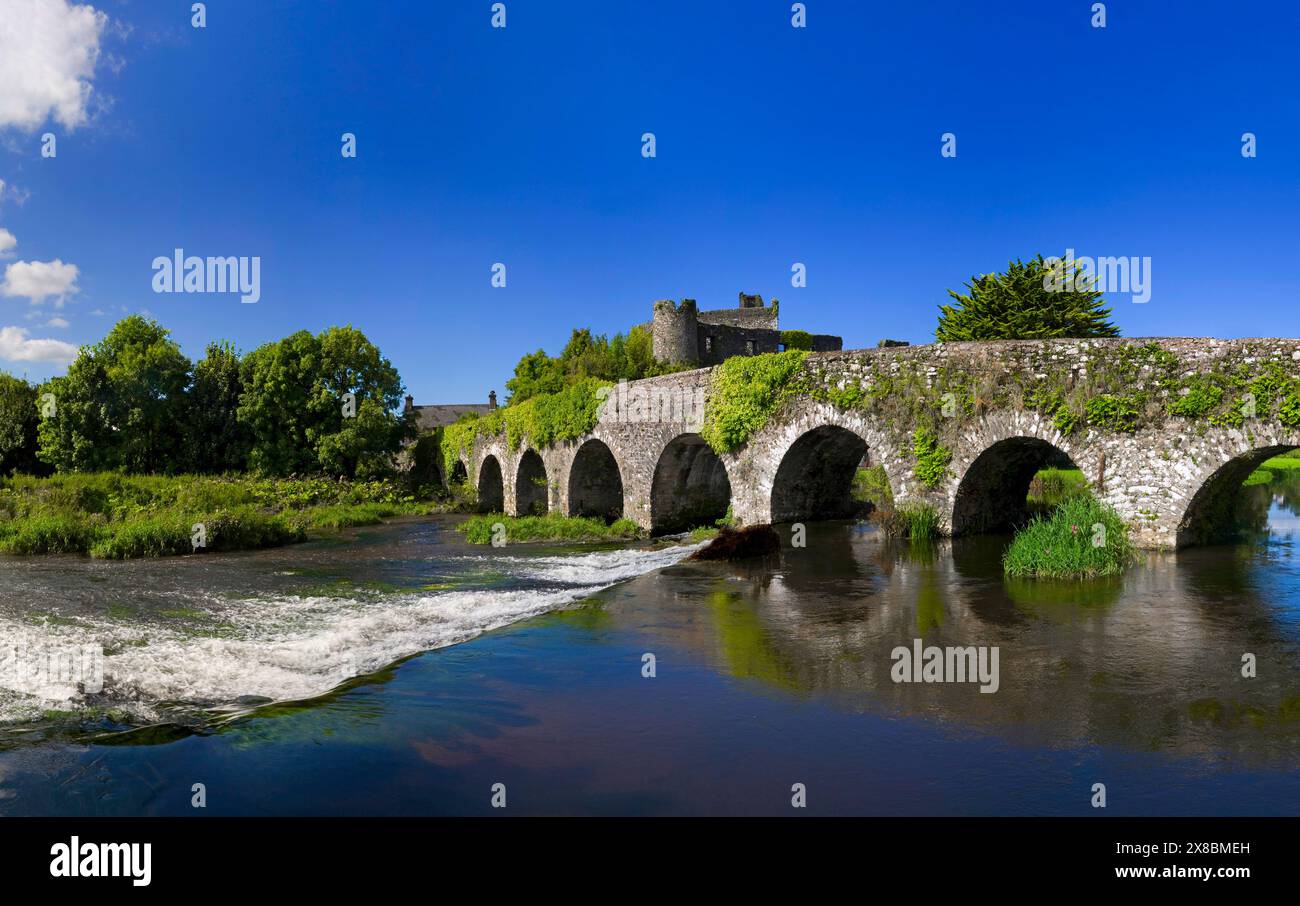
[(19, 417), (122, 404), (215, 439), (1032, 300), (313, 403)]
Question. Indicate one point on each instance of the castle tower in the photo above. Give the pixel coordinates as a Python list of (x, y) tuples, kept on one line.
[(675, 332)]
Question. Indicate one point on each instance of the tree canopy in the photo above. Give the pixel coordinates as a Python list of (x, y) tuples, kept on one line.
[(134, 403), (626, 357), (1027, 302)]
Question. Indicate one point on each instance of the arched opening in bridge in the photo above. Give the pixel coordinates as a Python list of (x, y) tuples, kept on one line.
[(491, 487), (459, 474), (530, 485), (995, 493), (815, 478), (595, 485), (1238, 500), (690, 486)]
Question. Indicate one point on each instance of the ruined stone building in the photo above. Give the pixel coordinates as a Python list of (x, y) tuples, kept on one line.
[(685, 335)]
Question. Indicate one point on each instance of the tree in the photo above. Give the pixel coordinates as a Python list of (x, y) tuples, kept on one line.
[(19, 416), (121, 405), (215, 439), (1032, 301), (627, 357), (297, 409), (359, 441)]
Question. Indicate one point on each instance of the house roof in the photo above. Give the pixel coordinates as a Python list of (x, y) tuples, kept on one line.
[(429, 417)]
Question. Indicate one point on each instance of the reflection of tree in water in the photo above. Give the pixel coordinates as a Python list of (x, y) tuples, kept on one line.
[(1255, 500), (747, 646)]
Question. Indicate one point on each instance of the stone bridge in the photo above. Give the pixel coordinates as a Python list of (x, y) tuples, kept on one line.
[(1000, 410)]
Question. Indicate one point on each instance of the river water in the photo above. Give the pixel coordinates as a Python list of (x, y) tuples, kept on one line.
[(398, 670)]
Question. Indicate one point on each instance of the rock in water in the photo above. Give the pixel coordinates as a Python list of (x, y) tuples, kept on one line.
[(740, 544)]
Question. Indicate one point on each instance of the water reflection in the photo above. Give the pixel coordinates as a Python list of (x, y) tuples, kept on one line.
[(1151, 660)]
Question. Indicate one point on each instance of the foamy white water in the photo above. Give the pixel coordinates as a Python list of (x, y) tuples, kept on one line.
[(292, 647)]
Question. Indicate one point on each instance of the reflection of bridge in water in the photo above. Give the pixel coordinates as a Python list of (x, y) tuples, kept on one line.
[(1171, 478), (1148, 662)]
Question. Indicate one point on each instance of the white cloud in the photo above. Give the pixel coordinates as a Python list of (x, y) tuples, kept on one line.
[(57, 322), (16, 346), (7, 239), (40, 280), (48, 52)]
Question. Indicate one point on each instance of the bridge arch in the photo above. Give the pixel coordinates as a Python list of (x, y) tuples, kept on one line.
[(491, 486), (993, 491), (690, 486), (531, 485), (815, 476), (1210, 515), (459, 472), (595, 482), (795, 442)]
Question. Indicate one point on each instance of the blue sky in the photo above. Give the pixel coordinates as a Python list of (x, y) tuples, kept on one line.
[(522, 145)]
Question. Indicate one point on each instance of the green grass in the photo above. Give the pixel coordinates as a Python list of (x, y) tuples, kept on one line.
[(1061, 544), (551, 527), (913, 521), (117, 516), (1286, 462), (871, 486), (1051, 487), (1270, 468)]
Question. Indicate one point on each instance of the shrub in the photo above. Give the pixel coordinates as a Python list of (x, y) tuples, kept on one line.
[(931, 458), (1113, 413), (797, 339), (746, 392), (1062, 544), (1197, 401)]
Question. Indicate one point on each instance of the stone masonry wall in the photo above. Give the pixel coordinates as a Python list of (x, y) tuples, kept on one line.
[(1151, 475)]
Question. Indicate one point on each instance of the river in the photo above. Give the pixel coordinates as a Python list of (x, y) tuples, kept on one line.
[(397, 670)]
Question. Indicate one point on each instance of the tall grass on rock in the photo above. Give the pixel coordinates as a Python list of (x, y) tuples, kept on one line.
[(1063, 544)]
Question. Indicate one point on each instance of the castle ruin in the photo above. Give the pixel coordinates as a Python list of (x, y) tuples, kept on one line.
[(685, 335)]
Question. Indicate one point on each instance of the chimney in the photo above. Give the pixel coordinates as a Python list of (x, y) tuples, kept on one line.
[(492, 399), (410, 403)]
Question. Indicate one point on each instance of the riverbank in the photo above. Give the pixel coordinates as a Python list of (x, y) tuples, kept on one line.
[(112, 516)]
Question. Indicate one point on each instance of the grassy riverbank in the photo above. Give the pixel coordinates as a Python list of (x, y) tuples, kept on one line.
[(551, 527), (118, 516)]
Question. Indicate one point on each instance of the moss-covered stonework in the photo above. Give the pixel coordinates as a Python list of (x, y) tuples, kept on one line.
[(1149, 422)]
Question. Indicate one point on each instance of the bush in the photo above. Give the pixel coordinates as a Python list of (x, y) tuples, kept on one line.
[(1062, 544), (746, 392), (931, 458), (1113, 413)]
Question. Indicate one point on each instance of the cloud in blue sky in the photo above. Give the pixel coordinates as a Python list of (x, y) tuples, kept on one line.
[(48, 53), (16, 346)]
